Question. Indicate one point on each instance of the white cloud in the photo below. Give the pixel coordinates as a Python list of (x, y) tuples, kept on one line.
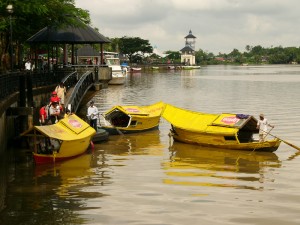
[(219, 25)]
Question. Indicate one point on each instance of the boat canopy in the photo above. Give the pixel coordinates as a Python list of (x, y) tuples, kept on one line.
[(68, 129), (151, 110), (122, 116), (226, 123)]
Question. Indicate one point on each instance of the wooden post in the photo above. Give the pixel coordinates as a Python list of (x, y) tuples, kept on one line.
[(29, 90), (72, 60)]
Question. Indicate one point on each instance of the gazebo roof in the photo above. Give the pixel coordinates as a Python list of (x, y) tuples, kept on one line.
[(87, 50), (81, 34)]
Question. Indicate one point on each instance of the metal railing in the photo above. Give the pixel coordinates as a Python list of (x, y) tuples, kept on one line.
[(85, 82), (10, 83)]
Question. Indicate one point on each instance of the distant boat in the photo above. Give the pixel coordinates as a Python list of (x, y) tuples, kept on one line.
[(135, 69), (132, 119), (155, 68), (171, 67), (190, 67)]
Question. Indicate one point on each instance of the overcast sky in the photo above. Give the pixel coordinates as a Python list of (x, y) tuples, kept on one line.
[(219, 25)]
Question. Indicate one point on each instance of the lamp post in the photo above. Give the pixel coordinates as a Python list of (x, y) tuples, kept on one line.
[(10, 10)]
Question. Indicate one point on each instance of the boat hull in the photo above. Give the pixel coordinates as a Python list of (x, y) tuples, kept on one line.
[(218, 141), (118, 80), (135, 70), (68, 150)]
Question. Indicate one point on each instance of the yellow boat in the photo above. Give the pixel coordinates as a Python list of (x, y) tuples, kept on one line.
[(227, 131), (132, 119), (68, 138)]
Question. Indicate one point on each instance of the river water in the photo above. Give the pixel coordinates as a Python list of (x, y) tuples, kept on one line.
[(147, 179)]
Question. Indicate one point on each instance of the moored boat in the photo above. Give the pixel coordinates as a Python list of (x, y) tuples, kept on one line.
[(132, 119), (100, 136), (68, 138), (113, 61), (135, 69), (190, 67), (227, 131)]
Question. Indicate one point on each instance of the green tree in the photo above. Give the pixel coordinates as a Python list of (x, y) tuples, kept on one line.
[(29, 16), (174, 56), (134, 45), (235, 56)]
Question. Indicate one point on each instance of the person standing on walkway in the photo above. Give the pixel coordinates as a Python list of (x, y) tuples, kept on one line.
[(262, 125), (28, 66), (92, 114), (61, 92)]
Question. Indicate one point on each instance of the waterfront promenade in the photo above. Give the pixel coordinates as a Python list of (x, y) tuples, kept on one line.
[(22, 94)]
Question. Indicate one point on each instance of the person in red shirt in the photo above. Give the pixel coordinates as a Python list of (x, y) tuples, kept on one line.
[(54, 97), (43, 115)]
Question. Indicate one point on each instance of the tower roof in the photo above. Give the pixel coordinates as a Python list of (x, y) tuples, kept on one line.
[(190, 35), (187, 49)]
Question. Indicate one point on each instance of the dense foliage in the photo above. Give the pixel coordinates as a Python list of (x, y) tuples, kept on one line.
[(29, 16), (252, 55)]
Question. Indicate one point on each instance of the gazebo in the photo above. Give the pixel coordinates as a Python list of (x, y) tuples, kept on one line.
[(79, 34), (87, 55)]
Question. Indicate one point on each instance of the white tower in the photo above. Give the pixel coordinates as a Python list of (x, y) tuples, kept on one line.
[(188, 52)]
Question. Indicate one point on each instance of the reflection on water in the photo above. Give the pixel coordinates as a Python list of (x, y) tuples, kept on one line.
[(147, 143), (146, 179), (229, 168)]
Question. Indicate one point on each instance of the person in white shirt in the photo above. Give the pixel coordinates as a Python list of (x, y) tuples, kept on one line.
[(54, 112), (92, 114), (28, 65), (262, 125)]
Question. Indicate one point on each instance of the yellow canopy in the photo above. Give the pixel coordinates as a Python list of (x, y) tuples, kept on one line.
[(68, 129), (150, 110), (201, 122)]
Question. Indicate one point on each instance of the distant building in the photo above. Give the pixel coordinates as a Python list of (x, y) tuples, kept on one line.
[(188, 52)]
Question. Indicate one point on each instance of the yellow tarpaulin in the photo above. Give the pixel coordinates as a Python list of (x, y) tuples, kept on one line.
[(151, 110), (67, 129), (195, 121)]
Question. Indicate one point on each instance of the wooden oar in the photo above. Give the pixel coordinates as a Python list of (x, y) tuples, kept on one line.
[(288, 143)]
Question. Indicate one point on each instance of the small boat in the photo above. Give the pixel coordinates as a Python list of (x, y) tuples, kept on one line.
[(155, 68), (132, 119), (190, 67), (226, 131), (68, 138), (100, 136), (171, 67), (135, 69)]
